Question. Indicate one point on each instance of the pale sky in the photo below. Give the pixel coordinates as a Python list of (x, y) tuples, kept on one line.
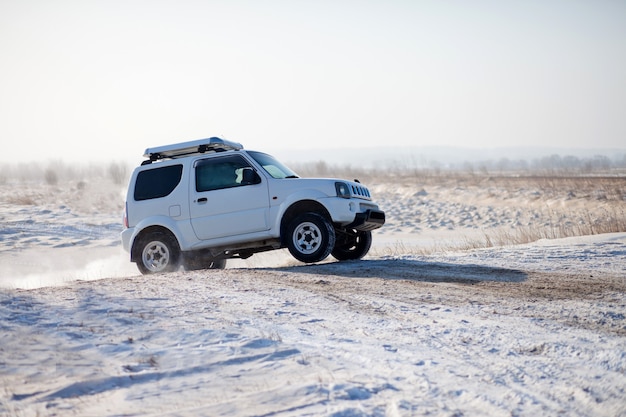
[(97, 80)]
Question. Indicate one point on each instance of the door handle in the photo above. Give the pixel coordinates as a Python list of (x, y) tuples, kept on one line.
[(202, 200)]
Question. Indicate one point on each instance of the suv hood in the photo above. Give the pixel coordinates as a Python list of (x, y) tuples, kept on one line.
[(328, 186)]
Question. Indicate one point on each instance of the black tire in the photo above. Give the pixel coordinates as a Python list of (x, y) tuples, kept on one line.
[(310, 237), (352, 247), (158, 253), (194, 262)]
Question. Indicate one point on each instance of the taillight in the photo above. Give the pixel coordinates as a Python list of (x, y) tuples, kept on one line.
[(126, 215)]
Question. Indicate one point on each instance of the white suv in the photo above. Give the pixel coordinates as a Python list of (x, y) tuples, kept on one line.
[(196, 204)]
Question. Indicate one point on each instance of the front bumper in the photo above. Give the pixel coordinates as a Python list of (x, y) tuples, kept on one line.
[(368, 220)]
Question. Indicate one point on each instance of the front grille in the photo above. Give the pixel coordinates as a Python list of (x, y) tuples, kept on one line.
[(360, 191)]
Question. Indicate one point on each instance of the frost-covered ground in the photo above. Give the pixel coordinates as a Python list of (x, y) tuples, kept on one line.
[(522, 330)]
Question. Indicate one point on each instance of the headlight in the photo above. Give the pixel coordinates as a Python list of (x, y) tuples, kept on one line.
[(342, 189)]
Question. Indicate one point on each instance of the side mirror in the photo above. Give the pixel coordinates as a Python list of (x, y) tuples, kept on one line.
[(249, 176)]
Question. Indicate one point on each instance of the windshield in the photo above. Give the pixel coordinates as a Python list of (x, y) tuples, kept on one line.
[(273, 167)]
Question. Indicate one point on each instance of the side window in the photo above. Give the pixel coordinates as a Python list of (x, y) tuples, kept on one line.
[(224, 172), (157, 182)]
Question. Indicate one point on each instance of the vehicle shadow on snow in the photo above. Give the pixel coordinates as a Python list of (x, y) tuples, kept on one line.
[(411, 270)]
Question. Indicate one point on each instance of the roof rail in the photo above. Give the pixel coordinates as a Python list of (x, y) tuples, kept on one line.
[(179, 150)]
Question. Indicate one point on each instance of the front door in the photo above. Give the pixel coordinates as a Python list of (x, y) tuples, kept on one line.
[(227, 198)]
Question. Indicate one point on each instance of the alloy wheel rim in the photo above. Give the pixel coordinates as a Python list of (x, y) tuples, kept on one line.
[(155, 256), (307, 237)]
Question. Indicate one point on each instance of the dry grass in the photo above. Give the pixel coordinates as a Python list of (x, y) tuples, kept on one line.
[(610, 222), (543, 207), (607, 222)]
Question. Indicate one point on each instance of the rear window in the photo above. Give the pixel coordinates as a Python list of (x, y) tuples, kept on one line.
[(157, 182)]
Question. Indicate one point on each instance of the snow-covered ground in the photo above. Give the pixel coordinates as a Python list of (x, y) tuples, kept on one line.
[(519, 330)]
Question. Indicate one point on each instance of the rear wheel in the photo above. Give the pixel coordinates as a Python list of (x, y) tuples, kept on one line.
[(159, 253), (310, 237), (352, 246)]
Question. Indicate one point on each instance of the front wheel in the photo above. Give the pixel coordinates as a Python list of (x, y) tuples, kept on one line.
[(159, 253), (310, 237), (352, 247)]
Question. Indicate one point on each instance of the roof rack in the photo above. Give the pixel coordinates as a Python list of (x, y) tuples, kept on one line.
[(179, 150)]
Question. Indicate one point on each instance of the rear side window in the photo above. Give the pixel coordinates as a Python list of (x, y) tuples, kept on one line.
[(157, 182)]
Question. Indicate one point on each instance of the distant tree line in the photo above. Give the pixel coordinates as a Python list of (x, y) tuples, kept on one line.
[(552, 164), (56, 173), (547, 165)]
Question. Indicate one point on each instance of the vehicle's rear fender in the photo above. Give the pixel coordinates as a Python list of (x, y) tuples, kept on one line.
[(179, 229)]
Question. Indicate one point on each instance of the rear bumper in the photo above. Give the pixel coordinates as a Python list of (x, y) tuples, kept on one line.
[(126, 236), (368, 220)]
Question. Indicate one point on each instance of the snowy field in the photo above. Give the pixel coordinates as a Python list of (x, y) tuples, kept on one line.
[(431, 323)]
